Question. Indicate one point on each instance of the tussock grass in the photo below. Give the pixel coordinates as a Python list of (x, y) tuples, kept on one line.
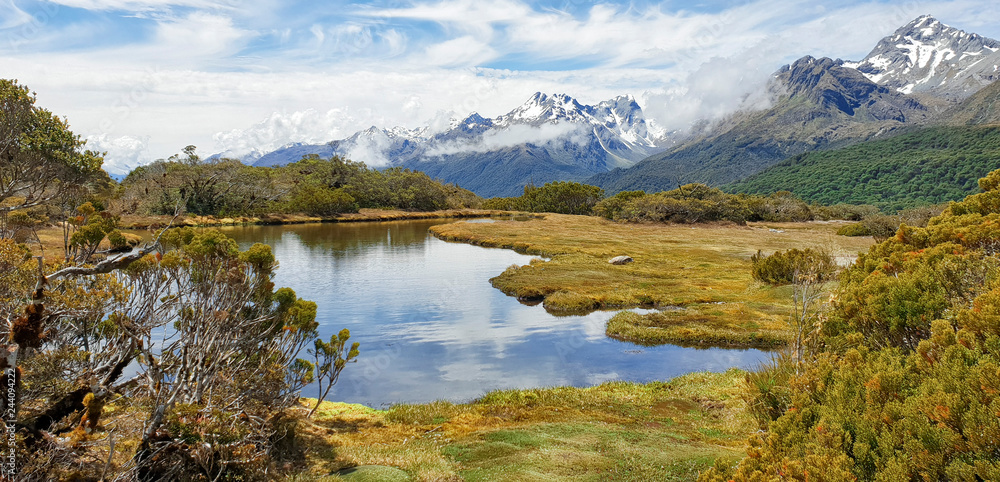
[(615, 431), (675, 266), (725, 325)]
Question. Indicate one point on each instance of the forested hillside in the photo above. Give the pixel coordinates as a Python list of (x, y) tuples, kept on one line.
[(929, 166)]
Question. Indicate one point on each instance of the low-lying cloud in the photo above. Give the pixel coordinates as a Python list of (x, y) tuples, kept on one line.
[(514, 135)]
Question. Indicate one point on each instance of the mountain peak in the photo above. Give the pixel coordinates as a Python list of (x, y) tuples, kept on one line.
[(926, 55)]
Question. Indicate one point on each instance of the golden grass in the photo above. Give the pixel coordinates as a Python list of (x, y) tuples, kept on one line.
[(692, 266), (620, 431)]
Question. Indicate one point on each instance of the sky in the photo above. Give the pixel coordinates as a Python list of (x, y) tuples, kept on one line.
[(142, 79)]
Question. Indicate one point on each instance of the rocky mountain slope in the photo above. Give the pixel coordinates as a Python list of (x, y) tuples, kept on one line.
[(817, 103), (549, 137), (927, 56), (913, 78)]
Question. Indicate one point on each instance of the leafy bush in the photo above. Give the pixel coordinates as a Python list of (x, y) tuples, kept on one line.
[(321, 201), (695, 203), (554, 197), (784, 267), (314, 186), (612, 207), (562, 197), (505, 204), (906, 385), (854, 229)]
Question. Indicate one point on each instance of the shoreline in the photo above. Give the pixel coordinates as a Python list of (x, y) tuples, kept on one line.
[(697, 276), (364, 215)]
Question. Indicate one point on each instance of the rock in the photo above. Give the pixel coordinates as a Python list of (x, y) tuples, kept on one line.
[(373, 473), (619, 260)]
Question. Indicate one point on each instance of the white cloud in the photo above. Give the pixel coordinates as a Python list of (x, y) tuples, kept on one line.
[(279, 129), (258, 76), (122, 153), (460, 52), (11, 15), (145, 5), (370, 150), (514, 135)]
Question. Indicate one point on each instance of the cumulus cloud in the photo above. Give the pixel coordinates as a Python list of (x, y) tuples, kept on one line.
[(278, 129), (122, 153), (371, 150), (286, 66), (513, 136), (717, 88)]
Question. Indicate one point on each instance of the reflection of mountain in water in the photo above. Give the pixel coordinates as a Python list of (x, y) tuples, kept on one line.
[(343, 239), (432, 327)]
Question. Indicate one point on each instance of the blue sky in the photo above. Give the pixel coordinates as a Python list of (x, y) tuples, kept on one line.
[(143, 78)]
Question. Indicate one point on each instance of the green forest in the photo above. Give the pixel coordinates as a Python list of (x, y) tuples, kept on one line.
[(929, 166), (312, 186)]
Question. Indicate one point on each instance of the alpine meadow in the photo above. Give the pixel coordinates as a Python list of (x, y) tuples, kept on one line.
[(499, 241)]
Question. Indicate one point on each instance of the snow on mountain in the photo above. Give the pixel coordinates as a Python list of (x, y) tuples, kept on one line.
[(548, 138), (927, 56), (616, 126)]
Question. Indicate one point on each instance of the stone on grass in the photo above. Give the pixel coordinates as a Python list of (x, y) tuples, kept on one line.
[(619, 260)]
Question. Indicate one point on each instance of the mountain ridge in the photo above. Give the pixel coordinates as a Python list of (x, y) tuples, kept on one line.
[(547, 138)]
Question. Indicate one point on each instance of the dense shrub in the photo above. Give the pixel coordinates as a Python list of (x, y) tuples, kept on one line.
[(505, 204), (612, 207), (854, 230), (554, 197), (783, 267), (562, 197), (694, 203), (314, 186), (906, 383), (321, 201), (847, 212)]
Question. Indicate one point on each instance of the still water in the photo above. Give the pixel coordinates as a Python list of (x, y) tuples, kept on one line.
[(432, 327)]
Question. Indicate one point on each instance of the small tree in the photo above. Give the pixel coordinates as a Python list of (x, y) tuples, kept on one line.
[(330, 361), (808, 271)]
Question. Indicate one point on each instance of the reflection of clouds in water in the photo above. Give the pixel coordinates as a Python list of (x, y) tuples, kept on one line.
[(599, 378), (466, 372), (432, 327)]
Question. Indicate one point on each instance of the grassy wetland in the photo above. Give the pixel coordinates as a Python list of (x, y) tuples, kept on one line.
[(615, 431), (699, 275)]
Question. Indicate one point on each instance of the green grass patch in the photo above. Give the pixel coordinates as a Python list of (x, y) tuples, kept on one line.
[(615, 431), (735, 325)]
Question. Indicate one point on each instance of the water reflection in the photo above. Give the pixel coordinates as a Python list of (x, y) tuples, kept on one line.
[(432, 327)]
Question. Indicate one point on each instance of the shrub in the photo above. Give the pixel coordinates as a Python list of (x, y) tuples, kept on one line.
[(562, 197), (854, 229), (784, 267), (882, 227), (504, 204), (612, 207), (321, 201)]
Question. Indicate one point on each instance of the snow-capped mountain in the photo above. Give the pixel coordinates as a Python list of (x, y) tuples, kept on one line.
[(549, 137), (927, 56)]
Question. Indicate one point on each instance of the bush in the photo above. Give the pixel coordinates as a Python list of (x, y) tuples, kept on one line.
[(785, 267), (562, 197), (504, 204), (906, 384), (854, 229), (321, 201), (612, 207), (882, 227)]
